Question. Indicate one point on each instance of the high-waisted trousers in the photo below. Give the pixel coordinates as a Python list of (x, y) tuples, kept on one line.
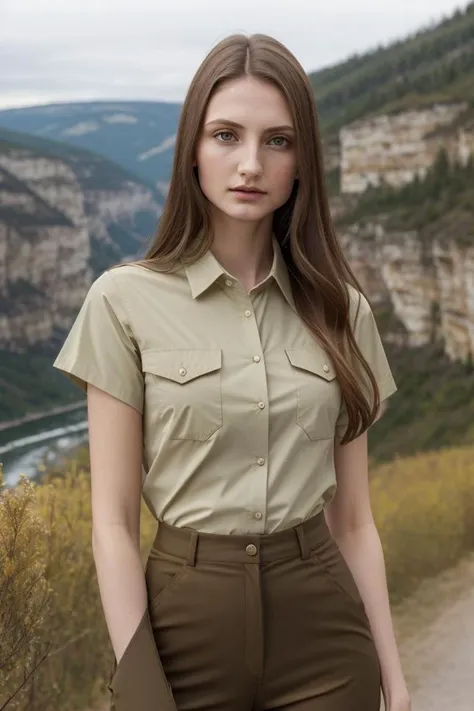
[(248, 623)]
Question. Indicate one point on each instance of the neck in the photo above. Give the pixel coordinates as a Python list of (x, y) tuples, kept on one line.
[(244, 250)]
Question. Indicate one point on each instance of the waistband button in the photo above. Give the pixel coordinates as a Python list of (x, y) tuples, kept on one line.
[(251, 549)]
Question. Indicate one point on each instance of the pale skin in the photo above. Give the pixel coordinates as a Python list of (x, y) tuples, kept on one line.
[(228, 156)]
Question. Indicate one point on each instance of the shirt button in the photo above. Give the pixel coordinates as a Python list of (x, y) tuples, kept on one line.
[(261, 405), (256, 359), (248, 313), (229, 282), (182, 371), (251, 549), (326, 368), (260, 461), (258, 515)]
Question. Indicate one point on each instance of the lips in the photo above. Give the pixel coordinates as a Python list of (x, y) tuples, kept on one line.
[(247, 190)]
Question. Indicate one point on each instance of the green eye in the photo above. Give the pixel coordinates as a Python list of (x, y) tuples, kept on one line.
[(281, 138)]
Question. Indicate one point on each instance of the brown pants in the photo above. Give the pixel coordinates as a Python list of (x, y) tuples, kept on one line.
[(247, 623)]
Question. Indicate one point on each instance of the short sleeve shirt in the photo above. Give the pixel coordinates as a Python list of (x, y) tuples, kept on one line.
[(240, 405)]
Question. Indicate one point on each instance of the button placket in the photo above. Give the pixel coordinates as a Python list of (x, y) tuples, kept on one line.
[(257, 404)]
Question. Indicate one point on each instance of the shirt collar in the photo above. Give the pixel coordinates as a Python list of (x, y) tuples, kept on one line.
[(279, 272), (207, 270)]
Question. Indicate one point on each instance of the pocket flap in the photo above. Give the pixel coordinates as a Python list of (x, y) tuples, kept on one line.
[(316, 362), (181, 365)]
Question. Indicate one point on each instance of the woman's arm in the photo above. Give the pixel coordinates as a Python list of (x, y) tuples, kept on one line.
[(115, 442), (350, 521)]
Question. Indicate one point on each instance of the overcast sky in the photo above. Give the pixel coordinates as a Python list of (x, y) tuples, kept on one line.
[(74, 50)]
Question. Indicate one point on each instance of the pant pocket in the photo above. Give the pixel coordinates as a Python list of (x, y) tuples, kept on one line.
[(163, 571), (332, 563), (138, 682)]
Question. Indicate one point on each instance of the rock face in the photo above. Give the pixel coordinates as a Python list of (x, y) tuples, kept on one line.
[(65, 219), (396, 148), (426, 279), (56, 217), (428, 284)]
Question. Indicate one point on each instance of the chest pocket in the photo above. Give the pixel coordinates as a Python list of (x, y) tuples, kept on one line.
[(317, 392), (183, 391)]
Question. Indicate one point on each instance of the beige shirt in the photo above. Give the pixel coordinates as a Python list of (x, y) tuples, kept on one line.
[(240, 405)]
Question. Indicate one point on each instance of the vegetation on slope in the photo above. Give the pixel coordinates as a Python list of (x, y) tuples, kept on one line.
[(441, 205), (433, 407), (91, 168), (29, 383), (433, 65)]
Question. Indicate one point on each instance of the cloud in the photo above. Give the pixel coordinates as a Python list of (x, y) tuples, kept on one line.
[(64, 50)]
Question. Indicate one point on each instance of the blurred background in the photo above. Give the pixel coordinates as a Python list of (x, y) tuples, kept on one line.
[(90, 96)]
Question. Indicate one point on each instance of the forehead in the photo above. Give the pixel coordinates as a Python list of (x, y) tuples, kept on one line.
[(248, 99)]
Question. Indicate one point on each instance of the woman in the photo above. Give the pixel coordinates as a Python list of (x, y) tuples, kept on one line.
[(240, 364)]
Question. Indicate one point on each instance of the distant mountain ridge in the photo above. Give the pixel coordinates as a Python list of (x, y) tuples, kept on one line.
[(72, 154), (139, 135)]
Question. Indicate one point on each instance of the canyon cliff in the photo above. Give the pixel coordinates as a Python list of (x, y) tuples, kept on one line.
[(64, 218)]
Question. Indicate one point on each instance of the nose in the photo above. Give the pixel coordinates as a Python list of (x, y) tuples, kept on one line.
[(250, 163)]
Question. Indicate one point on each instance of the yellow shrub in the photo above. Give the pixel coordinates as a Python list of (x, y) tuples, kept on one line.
[(51, 527), (424, 511), (25, 594)]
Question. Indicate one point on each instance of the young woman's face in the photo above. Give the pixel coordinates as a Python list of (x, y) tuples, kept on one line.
[(247, 139)]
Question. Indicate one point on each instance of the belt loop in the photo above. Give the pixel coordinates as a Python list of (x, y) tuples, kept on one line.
[(303, 541), (192, 550)]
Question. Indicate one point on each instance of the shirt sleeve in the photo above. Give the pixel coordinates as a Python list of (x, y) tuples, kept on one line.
[(100, 348), (368, 339)]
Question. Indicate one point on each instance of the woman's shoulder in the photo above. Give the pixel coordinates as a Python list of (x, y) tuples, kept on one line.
[(358, 303), (120, 286), (134, 275), (141, 269)]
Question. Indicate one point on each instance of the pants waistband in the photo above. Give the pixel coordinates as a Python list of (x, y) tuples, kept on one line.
[(194, 546)]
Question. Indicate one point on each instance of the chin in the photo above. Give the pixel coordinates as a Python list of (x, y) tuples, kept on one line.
[(248, 217), (246, 212)]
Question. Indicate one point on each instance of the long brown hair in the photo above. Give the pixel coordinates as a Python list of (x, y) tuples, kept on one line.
[(318, 270)]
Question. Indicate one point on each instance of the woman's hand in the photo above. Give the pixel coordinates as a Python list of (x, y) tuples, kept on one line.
[(397, 699)]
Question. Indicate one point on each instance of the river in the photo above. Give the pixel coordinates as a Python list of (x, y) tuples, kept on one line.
[(25, 446)]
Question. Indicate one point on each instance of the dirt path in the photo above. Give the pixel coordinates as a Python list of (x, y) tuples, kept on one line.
[(435, 629)]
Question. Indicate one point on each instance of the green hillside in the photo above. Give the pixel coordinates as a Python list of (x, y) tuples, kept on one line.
[(435, 64), (92, 168)]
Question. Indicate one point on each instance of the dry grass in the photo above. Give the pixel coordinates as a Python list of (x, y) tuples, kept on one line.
[(424, 510)]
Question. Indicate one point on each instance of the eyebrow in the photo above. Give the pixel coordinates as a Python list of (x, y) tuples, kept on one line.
[(227, 122)]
